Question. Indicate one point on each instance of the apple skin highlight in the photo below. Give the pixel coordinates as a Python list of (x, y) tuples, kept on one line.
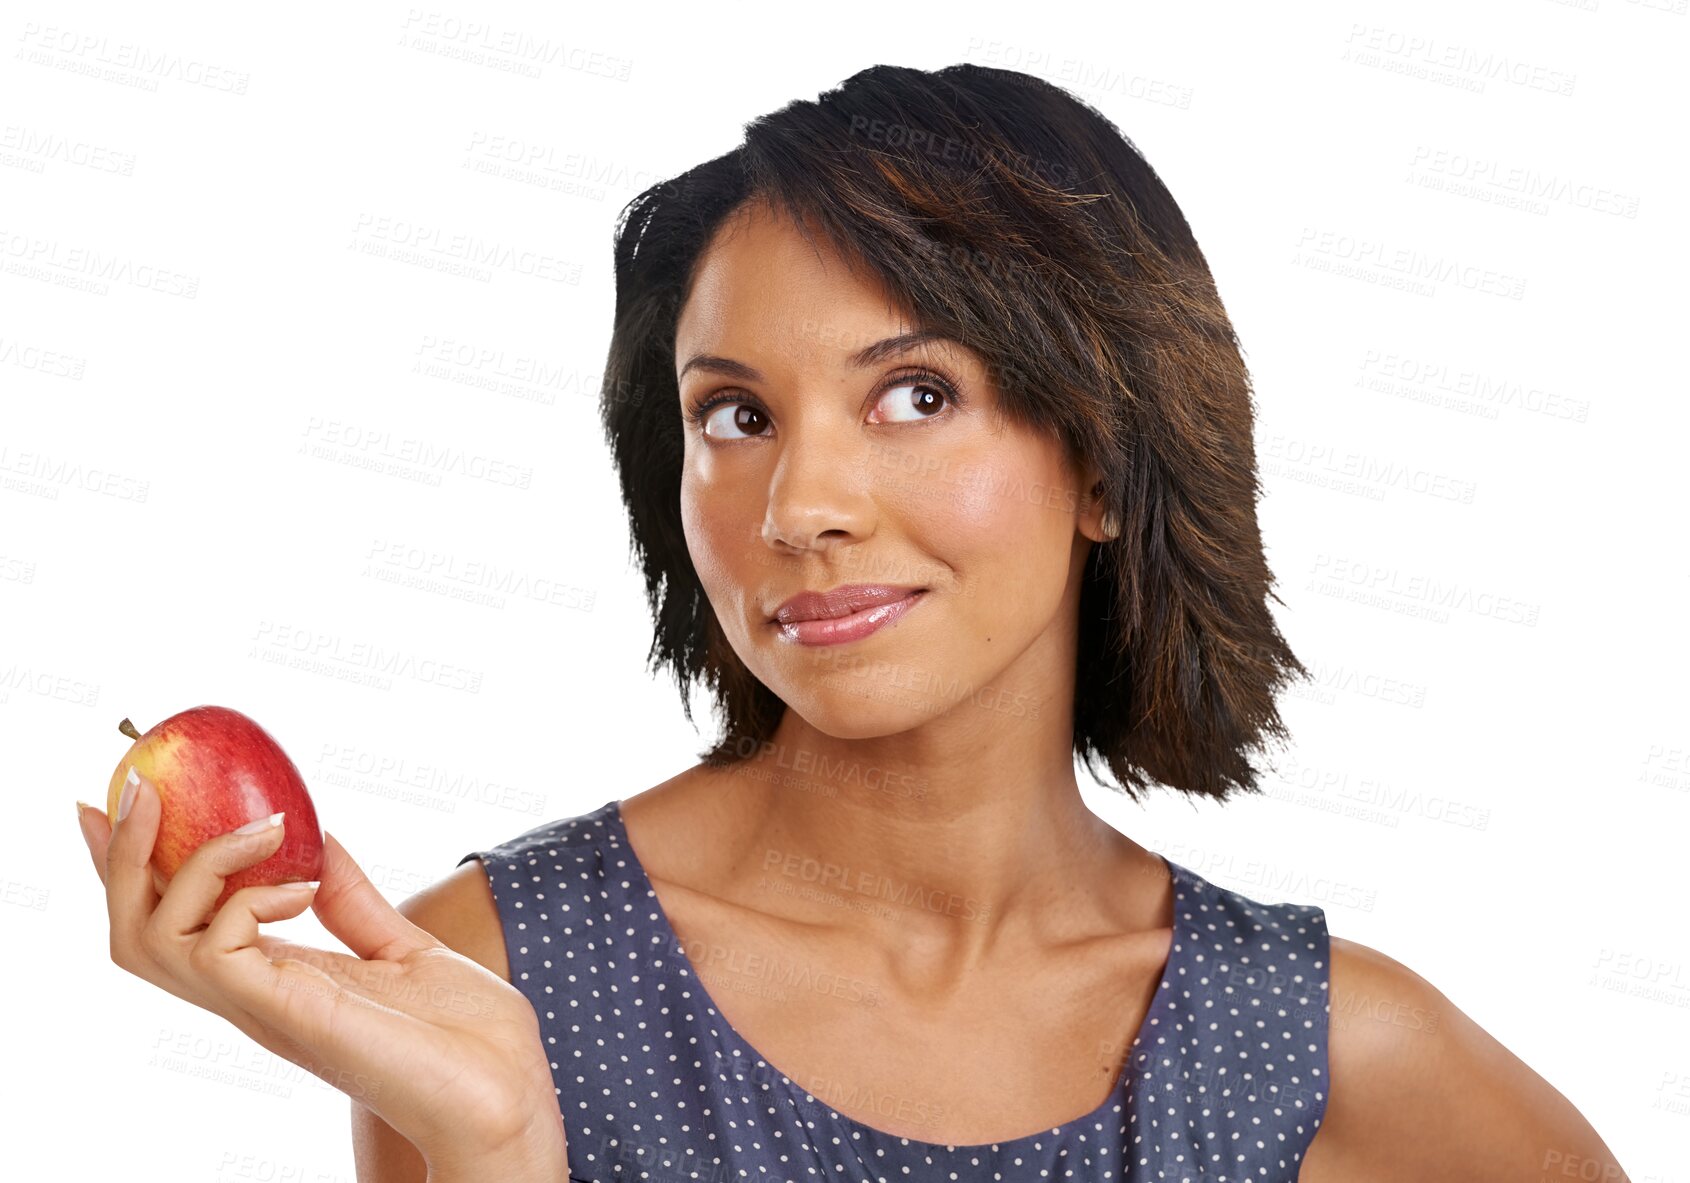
[(215, 769)]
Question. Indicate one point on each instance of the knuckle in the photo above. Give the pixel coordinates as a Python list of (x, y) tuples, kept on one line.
[(238, 850), (244, 899), (220, 857), (152, 941), (207, 859), (200, 959)]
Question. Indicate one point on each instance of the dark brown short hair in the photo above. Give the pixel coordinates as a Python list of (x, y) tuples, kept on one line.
[(1013, 217)]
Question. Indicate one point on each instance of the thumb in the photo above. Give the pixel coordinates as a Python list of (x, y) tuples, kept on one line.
[(350, 907)]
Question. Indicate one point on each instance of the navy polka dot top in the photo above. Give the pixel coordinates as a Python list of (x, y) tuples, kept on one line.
[(1225, 1081)]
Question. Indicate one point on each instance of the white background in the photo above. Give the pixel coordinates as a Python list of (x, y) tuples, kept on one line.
[(1472, 477)]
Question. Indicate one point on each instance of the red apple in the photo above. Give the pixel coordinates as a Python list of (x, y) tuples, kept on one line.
[(215, 770)]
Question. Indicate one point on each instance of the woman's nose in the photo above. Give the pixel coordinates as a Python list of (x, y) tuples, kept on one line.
[(818, 499)]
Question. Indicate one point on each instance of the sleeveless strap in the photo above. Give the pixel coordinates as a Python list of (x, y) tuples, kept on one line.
[(1239, 1051), (558, 889)]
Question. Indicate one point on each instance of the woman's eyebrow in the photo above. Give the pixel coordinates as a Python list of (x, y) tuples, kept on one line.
[(867, 356)]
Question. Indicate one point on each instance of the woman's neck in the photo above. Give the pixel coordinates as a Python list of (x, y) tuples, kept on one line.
[(951, 855)]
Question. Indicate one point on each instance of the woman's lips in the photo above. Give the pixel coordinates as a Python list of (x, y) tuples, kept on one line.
[(850, 627)]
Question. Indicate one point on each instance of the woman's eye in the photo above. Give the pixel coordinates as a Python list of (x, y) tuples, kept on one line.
[(916, 398), (723, 419)]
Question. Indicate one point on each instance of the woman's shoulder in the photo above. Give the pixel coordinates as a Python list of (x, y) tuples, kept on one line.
[(461, 910), (1396, 1042)]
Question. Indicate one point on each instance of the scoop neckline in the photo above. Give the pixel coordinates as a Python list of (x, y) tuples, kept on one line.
[(1121, 1093)]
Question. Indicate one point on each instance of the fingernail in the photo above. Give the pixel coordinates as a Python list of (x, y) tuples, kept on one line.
[(128, 797), (262, 824), (302, 887), (82, 808)]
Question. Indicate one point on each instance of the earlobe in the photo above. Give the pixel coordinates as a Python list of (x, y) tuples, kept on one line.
[(1110, 524)]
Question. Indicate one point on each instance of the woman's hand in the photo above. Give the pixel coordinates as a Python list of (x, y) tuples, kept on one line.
[(441, 1048)]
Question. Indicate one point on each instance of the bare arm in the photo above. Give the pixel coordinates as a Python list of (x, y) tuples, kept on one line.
[(460, 912), (1420, 1091)]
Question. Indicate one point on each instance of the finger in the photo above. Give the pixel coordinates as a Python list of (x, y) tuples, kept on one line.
[(225, 938), (198, 884), (352, 909), (235, 927), (96, 833), (130, 896), (295, 997)]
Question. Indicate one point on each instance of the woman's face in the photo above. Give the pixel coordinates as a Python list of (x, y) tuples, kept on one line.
[(815, 469)]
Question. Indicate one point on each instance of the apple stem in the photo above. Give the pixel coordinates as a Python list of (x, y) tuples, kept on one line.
[(128, 729)]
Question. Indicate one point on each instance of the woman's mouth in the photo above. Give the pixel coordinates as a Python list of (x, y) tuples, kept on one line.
[(844, 614)]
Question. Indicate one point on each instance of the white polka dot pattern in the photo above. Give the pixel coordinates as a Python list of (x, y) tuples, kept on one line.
[(1225, 1081)]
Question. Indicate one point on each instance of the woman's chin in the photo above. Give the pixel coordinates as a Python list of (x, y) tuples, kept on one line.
[(864, 707)]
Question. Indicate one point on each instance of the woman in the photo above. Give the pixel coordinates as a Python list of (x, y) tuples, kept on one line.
[(936, 443)]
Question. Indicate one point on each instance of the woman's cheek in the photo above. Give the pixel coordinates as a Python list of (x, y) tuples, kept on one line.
[(1005, 532), (710, 530), (994, 505)]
